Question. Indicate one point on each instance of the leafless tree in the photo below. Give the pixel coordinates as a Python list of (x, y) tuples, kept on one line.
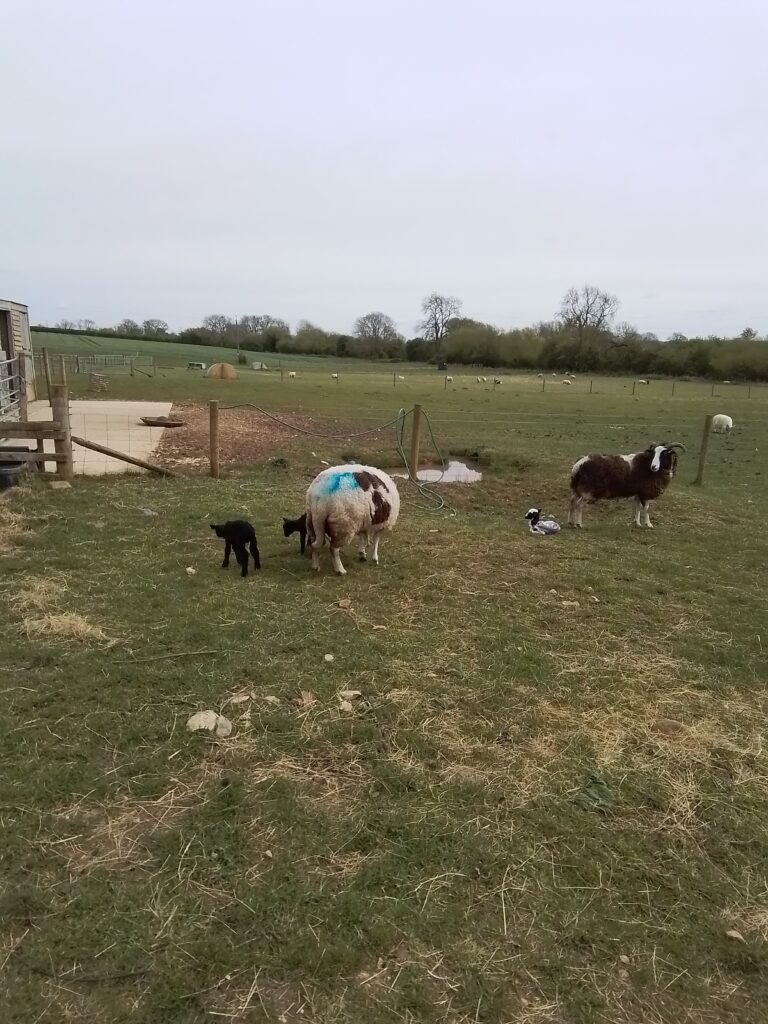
[(377, 328), (129, 327), (66, 325), (86, 325), (217, 323), (438, 310), (251, 324), (588, 309), (155, 327)]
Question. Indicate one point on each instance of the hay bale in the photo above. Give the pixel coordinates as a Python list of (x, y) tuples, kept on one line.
[(222, 371)]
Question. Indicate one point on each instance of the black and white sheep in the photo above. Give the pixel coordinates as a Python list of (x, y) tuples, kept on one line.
[(643, 477), (344, 502)]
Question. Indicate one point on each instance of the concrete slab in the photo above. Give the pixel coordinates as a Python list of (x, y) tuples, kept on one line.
[(114, 424)]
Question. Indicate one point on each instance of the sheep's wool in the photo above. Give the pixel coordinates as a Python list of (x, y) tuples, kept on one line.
[(350, 501)]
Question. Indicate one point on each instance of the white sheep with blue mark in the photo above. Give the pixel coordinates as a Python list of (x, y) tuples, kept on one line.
[(344, 502)]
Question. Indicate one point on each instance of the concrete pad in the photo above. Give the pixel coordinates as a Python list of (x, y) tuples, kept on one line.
[(110, 423)]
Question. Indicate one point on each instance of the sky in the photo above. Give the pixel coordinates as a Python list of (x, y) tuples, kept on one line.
[(318, 160)]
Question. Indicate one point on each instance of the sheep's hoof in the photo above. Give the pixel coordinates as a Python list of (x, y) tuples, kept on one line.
[(341, 572), (361, 556)]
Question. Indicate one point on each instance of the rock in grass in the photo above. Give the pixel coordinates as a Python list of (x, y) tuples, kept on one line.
[(210, 721)]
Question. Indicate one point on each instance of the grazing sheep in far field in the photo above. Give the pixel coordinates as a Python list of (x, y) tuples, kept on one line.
[(291, 373), (334, 376), (540, 376), (722, 424), (350, 501), (238, 534), (726, 382), (479, 380), (400, 377), (449, 379), (642, 382), (568, 382)]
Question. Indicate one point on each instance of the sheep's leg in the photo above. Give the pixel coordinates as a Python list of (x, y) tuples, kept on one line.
[(303, 539), (575, 510), (362, 542), (375, 556), (255, 553), (646, 514), (241, 554), (638, 511), (227, 551), (338, 568)]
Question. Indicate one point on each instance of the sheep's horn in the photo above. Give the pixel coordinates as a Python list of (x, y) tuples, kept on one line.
[(677, 444)]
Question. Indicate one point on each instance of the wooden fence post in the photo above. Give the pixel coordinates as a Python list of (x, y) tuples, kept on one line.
[(394, 380), (62, 445), (703, 450), (131, 367), (543, 383), (154, 366), (415, 441), (21, 386), (673, 387), (634, 385), (213, 408), (47, 369), (63, 370), (590, 386), (77, 365)]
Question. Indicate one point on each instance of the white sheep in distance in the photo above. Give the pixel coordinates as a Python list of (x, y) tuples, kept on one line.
[(334, 376), (642, 382), (350, 501), (497, 380), (479, 380), (540, 376), (291, 373), (400, 377), (568, 382), (722, 424), (449, 379)]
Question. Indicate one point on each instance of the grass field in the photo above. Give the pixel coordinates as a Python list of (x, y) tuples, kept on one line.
[(546, 803)]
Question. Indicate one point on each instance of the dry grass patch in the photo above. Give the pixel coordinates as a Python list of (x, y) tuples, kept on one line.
[(38, 593), (66, 627), (12, 527)]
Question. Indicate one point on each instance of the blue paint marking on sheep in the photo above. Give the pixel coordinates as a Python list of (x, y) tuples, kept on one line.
[(338, 482)]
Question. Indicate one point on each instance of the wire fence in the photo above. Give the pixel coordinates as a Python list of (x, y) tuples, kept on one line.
[(12, 389)]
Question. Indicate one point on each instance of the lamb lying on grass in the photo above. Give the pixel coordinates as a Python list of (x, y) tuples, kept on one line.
[(238, 535), (350, 501)]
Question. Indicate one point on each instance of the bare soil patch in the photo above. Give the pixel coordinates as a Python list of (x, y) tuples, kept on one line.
[(247, 436)]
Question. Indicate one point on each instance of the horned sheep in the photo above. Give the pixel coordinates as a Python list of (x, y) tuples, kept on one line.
[(344, 502), (643, 477)]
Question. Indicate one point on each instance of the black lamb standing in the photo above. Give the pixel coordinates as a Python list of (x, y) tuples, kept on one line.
[(238, 535), (297, 526)]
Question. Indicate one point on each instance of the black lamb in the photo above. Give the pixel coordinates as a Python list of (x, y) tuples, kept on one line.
[(238, 535), (297, 526)]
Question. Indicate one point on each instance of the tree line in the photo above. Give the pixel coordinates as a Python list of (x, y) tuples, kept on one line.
[(583, 337)]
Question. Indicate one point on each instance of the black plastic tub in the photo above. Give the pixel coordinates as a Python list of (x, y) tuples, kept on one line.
[(9, 474)]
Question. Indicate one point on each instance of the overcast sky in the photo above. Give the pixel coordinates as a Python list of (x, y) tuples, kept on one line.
[(172, 158)]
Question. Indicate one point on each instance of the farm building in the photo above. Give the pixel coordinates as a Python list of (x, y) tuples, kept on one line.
[(17, 370)]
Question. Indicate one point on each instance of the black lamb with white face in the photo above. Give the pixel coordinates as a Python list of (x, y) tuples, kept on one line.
[(643, 477), (238, 536)]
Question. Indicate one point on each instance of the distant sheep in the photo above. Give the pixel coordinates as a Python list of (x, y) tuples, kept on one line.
[(642, 477), (334, 376), (350, 501), (485, 380), (540, 376), (722, 424), (479, 380), (642, 382), (400, 377), (449, 379), (291, 373), (497, 380), (726, 382), (568, 382)]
